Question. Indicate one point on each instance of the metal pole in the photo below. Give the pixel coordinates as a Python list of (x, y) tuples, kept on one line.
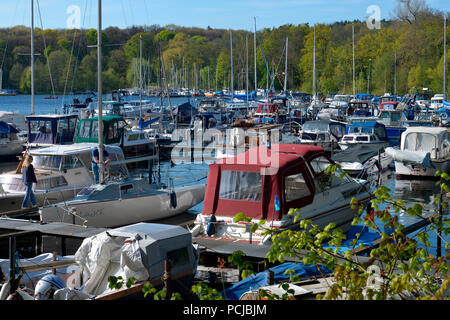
[(285, 67), (353, 37), (254, 44), (140, 76), (32, 56), (100, 93), (231, 54), (445, 55)]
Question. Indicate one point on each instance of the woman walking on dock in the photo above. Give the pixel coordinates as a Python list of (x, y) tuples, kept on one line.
[(28, 178)]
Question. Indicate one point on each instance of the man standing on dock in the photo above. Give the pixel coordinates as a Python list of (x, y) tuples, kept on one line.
[(95, 163)]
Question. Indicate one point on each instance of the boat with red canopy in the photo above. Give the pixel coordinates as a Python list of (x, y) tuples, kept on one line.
[(265, 182)]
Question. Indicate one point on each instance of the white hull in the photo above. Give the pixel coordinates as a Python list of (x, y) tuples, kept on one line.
[(11, 148), (402, 169), (13, 201), (120, 212), (327, 207)]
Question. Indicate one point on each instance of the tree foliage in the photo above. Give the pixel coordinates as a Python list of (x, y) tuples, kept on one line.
[(414, 35)]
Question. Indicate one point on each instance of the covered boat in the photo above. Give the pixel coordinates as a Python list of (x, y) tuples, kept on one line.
[(423, 151), (10, 143), (264, 183), (46, 130)]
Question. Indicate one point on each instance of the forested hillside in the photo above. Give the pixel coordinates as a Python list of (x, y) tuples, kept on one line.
[(411, 44)]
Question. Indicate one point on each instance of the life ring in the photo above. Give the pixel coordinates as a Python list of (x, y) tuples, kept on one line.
[(444, 116)]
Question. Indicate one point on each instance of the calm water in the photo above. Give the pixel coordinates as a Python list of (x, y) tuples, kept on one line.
[(411, 191)]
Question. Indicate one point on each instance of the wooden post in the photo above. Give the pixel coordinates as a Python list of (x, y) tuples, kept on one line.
[(12, 257), (270, 277), (167, 279)]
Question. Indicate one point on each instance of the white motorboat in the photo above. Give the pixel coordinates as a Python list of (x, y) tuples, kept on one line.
[(10, 142), (123, 202), (265, 183), (61, 171), (323, 133), (371, 133), (423, 151), (363, 160)]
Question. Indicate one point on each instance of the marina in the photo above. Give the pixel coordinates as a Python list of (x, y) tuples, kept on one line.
[(148, 182)]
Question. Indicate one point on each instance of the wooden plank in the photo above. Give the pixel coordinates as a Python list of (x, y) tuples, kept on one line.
[(48, 265), (19, 211)]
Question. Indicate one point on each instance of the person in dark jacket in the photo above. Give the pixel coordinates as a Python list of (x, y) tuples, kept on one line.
[(28, 178)]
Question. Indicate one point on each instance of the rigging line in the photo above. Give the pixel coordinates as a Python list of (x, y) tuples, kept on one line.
[(124, 16), (79, 47), (7, 36), (68, 68), (45, 48)]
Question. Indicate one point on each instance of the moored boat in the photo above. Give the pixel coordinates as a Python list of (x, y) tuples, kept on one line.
[(265, 183)]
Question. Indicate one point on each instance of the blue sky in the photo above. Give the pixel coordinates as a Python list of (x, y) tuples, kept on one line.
[(231, 14)]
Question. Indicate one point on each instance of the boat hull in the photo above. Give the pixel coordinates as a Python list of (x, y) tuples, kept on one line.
[(120, 212), (416, 170), (13, 201)]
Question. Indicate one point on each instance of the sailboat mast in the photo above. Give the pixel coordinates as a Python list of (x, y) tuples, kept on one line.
[(100, 93), (314, 64), (32, 56), (445, 56), (353, 40), (140, 76), (395, 74), (246, 68), (285, 67), (254, 45), (231, 54)]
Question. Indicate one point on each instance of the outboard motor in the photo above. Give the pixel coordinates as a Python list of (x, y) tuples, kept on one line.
[(47, 286)]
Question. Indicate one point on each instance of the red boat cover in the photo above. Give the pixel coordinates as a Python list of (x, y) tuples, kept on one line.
[(267, 168)]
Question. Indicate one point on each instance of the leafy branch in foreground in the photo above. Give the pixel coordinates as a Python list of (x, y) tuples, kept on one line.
[(400, 267)]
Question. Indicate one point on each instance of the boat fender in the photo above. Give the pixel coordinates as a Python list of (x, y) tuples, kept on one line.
[(211, 228), (173, 199)]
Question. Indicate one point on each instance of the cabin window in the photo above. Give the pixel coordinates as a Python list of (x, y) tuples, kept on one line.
[(133, 137), (241, 185), (47, 162), (295, 187), (420, 142), (337, 131), (395, 117), (363, 138), (71, 162), (126, 187), (178, 257), (320, 164), (49, 183), (15, 184), (85, 129), (94, 133)]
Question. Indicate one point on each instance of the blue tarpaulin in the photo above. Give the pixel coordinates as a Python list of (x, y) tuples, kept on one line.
[(260, 279), (7, 128)]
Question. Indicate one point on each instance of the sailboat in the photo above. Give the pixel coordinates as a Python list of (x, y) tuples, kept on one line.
[(121, 202), (316, 104)]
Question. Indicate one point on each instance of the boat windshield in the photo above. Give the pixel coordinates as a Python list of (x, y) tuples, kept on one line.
[(47, 162), (419, 141), (241, 185)]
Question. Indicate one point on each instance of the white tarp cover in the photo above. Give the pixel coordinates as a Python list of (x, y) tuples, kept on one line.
[(410, 157), (97, 253)]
